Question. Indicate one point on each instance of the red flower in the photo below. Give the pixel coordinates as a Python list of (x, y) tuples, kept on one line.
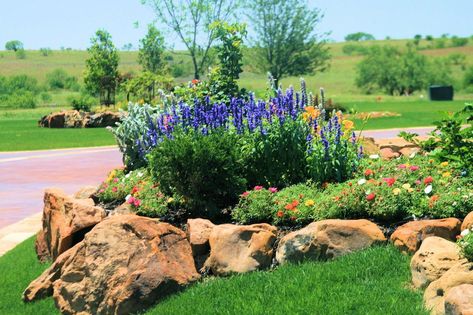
[(137, 202), (428, 180), (389, 181), (414, 168), (368, 172), (245, 194), (114, 189), (258, 187), (293, 218), (195, 81), (370, 197), (134, 190), (280, 214), (295, 203), (402, 166)]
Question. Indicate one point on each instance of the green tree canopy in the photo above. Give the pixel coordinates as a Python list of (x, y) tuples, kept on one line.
[(151, 51), (285, 41), (101, 68), (359, 36), (14, 45)]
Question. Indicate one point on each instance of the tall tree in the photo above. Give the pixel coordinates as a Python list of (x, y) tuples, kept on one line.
[(101, 68), (190, 20), (151, 51), (14, 45), (285, 41)]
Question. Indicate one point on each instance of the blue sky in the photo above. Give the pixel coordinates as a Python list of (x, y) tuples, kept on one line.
[(71, 23)]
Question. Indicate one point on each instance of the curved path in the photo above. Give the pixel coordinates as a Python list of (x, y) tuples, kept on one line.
[(25, 175)]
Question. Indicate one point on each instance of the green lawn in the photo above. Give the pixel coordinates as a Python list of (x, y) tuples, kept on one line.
[(374, 281), (19, 131)]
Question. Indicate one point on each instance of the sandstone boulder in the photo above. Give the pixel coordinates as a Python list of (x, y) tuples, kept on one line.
[(240, 248), (467, 222), (434, 295), (435, 256), (459, 300), (409, 237), (198, 233), (124, 264), (85, 192), (328, 239), (65, 221), (388, 153)]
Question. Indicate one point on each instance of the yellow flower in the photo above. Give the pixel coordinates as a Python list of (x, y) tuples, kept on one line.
[(444, 164), (406, 186), (431, 161), (309, 203), (446, 174), (111, 176), (170, 199), (396, 191), (310, 113), (348, 124), (410, 190)]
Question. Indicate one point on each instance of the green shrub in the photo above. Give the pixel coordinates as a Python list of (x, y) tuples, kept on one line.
[(59, 79), (132, 128), (277, 157), (20, 54), (205, 170), (21, 99), (459, 41), (255, 206), (82, 103), (46, 97), (45, 51), (466, 244)]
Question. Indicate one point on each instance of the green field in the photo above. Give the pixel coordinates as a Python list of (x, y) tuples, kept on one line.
[(19, 131), (374, 281)]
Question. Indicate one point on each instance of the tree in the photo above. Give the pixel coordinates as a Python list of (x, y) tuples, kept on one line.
[(151, 51), (417, 39), (14, 45), (190, 20), (394, 71), (285, 41), (101, 73), (359, 36)]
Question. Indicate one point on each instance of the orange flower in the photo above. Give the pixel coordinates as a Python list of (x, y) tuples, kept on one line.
[(280, 214), (311, 113)]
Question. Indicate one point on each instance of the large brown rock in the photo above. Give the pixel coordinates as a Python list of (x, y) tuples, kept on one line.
[(435, 256), (434, 295), (198, 233), (123, 265), (409, 237), (328, 239), (467, 222), (459, 300), (65, 221), (101, 120), (240, 248)]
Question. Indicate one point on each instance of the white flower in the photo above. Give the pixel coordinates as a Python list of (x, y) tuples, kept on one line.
[(127, 197), (374, 156), (140, 174), (361, 181), (465, 232), (127, 175), (454, 203), (428, 189)]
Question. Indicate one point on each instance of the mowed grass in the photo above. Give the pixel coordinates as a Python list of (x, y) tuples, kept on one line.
[(19, 131), (373, 281)]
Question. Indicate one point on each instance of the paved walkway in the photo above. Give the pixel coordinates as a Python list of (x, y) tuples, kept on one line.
[(25, 175)]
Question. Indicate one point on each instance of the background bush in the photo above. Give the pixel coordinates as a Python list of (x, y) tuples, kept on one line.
[(82, 103)]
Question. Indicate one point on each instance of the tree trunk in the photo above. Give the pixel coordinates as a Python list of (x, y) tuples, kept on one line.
[(196, 68)]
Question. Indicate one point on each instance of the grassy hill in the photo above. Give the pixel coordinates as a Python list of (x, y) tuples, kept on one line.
[(338, 80)]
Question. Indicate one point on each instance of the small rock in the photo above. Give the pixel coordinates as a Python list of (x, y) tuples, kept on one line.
[(240, 248), (435, 256), (388, 154), (409, 237), (124, 208), (328, 239), (459, 300), (434, 295), (467, 222), (124, 264)]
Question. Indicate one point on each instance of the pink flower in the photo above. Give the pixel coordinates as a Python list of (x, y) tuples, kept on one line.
[(245, 194), (418, 182), (389, 181), (131, 200), (114, 189), (137, 202), (258, 187), (101, 190), (401, 166), (273, 189), (115, 180), (414, 168)]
